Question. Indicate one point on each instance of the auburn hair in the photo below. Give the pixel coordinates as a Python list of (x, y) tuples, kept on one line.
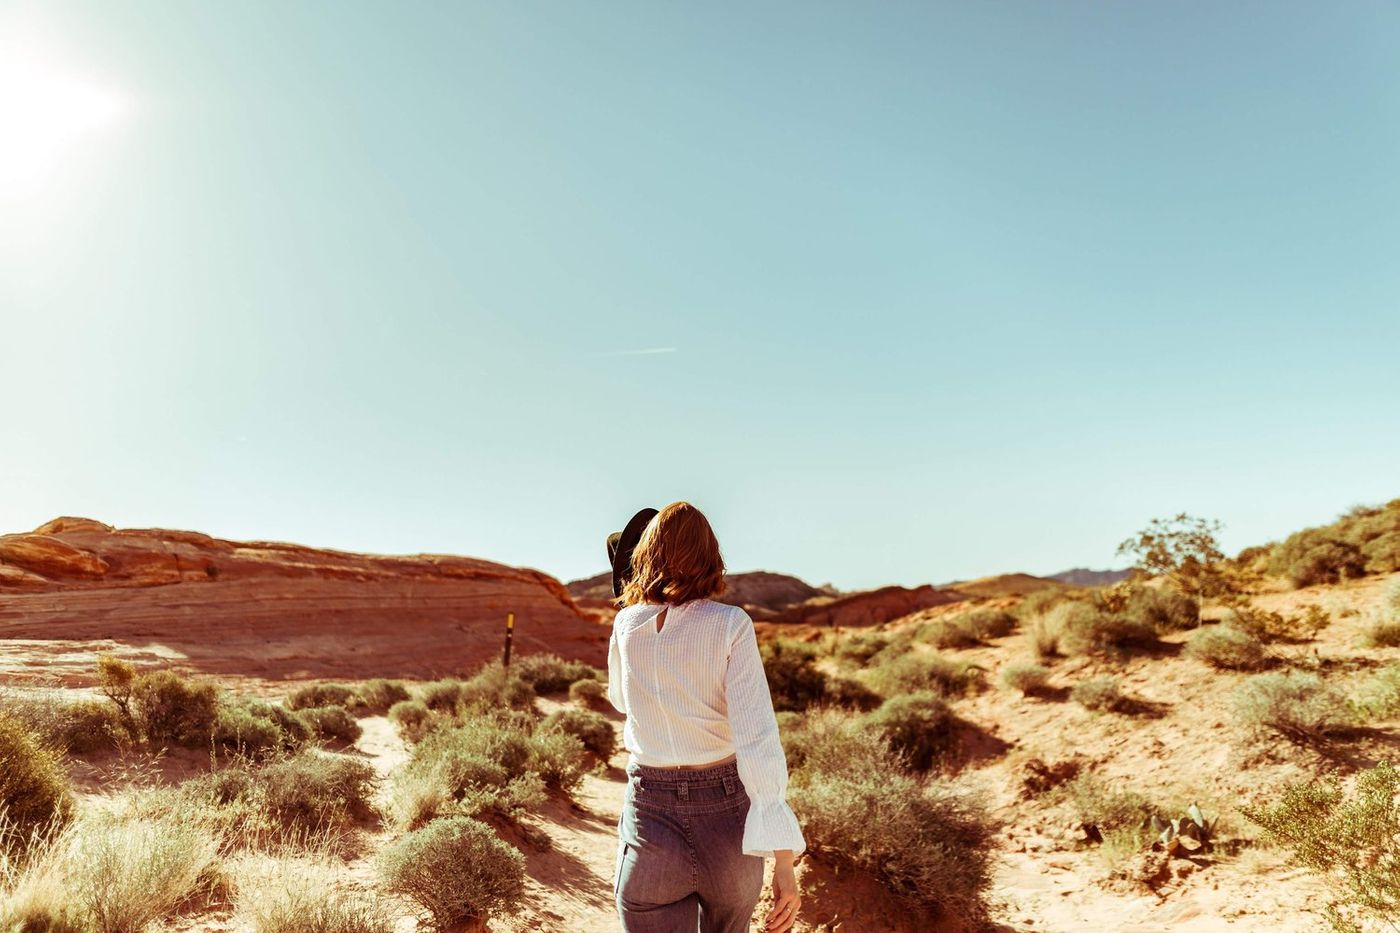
[(676, 560)]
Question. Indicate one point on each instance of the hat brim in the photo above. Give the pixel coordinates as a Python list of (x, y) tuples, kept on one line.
[(622, 543)]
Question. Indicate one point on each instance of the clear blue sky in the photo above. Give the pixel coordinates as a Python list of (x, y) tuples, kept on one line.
[(941, 289)]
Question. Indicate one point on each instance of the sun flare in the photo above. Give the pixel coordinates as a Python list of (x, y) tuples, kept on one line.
[(46, 112)]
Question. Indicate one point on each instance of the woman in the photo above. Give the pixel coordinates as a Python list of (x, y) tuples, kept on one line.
[(706, 776)]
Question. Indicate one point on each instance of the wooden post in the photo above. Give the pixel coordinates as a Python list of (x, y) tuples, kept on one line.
[(510, 629)]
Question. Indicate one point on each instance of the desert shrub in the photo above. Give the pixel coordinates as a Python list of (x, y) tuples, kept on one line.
[(833, 742), (850, 694), (35, 793), (169, 708), (238, 728), (379, 694), (457, 871), (918, 726), (1318, 555), (1027, 678), (1120, 819), (1377, 696), (557, 757), (589, 694), (859, 648), (495, 687), (1392, 598), (1350, 839), (79, 727), (411, 717), (441, 695), (301, 898), (1093, 632), (594, 730), (1267, 625), (949, 633), (794, 681), (1041, 602), (314, 695), (490, 762), (909, 672), (1301, 707), (109, 872), (928, 845), (315, 791), (549, 673), (1162, 610), (1100, 694), (1229, 648), (991, 623), (1381, 634), (332, 722), (115, 680)]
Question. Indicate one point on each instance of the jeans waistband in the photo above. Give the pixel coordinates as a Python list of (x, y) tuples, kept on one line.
[(711, 775)]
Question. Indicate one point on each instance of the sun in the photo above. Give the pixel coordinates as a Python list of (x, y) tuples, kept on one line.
[(47, 113)]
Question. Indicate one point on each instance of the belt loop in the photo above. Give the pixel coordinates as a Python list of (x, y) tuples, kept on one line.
[(683, 788), (728, 786)]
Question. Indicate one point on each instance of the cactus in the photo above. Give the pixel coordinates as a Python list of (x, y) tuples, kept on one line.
[(1184, 836)]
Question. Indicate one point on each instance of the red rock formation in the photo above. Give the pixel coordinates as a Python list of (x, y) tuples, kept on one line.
[(271, 610), (871, 607)]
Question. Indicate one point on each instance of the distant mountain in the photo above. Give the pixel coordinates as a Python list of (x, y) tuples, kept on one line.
[(1083, 576), (762, 594)]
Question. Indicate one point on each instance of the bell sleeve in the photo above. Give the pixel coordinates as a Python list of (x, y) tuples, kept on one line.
[(771, 824), (615, 696)]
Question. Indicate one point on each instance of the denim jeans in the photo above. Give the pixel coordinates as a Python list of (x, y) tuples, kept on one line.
[(680, 860)]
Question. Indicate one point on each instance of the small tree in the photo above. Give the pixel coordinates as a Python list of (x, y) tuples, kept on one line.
[(1182, 548), (1352, 841)]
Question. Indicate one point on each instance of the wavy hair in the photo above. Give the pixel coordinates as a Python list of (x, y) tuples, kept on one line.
[(676, 560)]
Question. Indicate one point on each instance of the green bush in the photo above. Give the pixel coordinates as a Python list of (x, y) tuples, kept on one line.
[(1377, 696), (1381, 634), (594, 730), (494, 687), (314, 695), (833, 742), (318, 791), (1350, 839), (794, 681), (79, 727), (919, 726), (35, 793), (169, 708), (858, 649), (1317, 555), (378, 695), (1227, 647), (909, 672), (590, 694), (238, 728), (1026, 678), (441, 695), (457, 870), (411, 717), (1269, 626), (930, 846), (557, 757), (1299, 706), (1162, 610), (549, 673), (332, 722), (1083, 630), (1100, 694), (968, 629)]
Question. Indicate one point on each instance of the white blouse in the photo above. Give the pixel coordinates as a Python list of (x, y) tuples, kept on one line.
[(695, 692)]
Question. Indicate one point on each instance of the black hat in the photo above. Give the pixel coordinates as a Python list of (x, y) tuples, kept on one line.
[(622, 543)]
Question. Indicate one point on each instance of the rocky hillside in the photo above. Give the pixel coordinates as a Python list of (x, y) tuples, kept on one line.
[(270, 610), (761, 593)]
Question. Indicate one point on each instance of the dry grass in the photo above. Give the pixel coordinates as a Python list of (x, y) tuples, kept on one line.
[(305, 896)]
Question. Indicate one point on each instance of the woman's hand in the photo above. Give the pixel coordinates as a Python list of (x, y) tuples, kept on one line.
[(786, 899)]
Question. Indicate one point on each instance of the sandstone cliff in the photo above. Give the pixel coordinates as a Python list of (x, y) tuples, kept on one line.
[(272, 610)]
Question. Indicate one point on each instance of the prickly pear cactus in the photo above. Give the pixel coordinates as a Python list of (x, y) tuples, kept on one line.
[(1186, 835)]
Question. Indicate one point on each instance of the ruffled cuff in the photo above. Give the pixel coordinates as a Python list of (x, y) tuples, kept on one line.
[(771, 825)]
